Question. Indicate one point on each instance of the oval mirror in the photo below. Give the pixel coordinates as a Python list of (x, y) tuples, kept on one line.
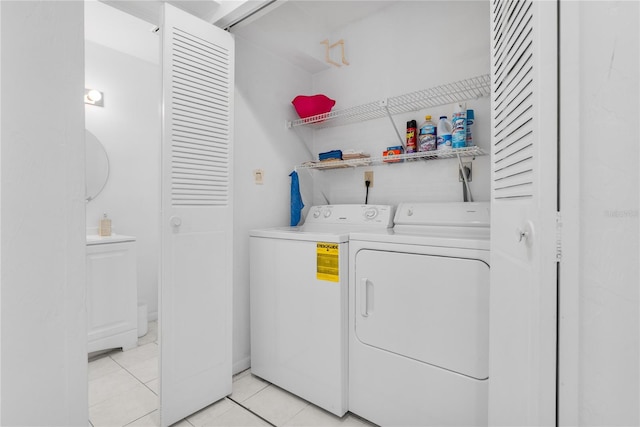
[(96, 166)]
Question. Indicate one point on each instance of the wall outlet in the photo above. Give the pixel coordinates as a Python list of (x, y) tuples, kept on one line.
[(368, 176), (465, 165), (258, 176)]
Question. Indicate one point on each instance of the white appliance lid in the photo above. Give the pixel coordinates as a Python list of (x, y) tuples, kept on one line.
[(297, 233)]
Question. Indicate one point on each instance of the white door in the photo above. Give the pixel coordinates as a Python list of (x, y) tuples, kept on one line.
[(196, 265), (522, 369)]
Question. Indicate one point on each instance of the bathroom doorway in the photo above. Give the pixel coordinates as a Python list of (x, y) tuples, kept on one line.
[(122, 62)]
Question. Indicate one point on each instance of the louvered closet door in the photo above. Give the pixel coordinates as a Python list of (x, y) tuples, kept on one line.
[(522, 387), (196, 268)]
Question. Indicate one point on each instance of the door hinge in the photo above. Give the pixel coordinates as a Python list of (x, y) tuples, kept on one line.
[(558, 237)]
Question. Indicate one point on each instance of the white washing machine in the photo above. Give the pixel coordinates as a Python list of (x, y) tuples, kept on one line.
[(419, 317), (298, 295)]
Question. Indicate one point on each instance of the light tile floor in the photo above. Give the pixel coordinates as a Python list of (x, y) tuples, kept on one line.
[(123, 391)]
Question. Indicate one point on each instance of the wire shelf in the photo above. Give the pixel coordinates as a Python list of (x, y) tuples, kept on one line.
[(463, 90), (372, 161)]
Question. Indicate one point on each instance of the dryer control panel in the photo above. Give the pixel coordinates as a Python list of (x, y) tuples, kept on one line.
[(370, 215), (453, 214)]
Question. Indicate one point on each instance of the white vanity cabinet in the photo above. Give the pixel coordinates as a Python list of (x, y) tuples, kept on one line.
[(112, 294)]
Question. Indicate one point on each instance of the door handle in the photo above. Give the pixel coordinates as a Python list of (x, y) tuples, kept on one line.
[(526, 233), (175, 221), (523, 235), (365, 300)]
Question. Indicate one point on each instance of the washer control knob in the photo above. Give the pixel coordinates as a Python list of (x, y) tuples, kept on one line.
[(409, 212), (371, 213), (327, 213), (316, 213)]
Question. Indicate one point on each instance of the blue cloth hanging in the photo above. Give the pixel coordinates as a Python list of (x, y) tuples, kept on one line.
[(296, 199)]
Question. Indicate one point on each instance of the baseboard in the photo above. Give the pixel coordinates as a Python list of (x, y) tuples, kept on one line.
[(241, 365)]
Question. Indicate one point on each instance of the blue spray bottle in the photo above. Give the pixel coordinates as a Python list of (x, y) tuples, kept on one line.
[(459, 125)]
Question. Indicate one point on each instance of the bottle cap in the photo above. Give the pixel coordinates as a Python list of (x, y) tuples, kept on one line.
[(427, 117), (412, 124), (443, 117)]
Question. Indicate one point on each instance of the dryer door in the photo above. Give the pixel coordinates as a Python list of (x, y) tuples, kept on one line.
[(434, 309)]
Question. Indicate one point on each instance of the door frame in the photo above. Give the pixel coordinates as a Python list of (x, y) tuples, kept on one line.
[(569, 205)]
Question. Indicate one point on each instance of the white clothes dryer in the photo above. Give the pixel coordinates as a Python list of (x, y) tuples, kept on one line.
[(298, 296), (419, 317)]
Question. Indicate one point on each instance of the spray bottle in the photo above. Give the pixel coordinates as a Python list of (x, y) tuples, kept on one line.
[(470, 117), (459, 127), (411, 137)]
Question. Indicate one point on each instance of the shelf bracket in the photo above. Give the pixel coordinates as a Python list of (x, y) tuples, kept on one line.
[(385, 105)]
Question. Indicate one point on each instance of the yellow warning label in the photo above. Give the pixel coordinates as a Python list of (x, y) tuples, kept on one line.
[(327, 262)]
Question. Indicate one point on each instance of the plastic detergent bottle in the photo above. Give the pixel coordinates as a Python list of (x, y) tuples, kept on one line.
[(444, 134), (459, 127), (427, 135), (470, 117)]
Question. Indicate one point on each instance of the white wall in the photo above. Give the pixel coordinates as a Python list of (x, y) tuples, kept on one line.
[(43, 375), (609, 315), (406, 47), (129, 128), (122, 60), (265, 85)]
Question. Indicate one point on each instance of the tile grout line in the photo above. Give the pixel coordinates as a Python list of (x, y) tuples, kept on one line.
[(268, 384), (131, 373), (145, 384), (255, 393), (297, 413), (254, 413), (138, 379), (131, 422)]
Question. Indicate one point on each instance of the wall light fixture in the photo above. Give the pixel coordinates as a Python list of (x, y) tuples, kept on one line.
[(93, 97)]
